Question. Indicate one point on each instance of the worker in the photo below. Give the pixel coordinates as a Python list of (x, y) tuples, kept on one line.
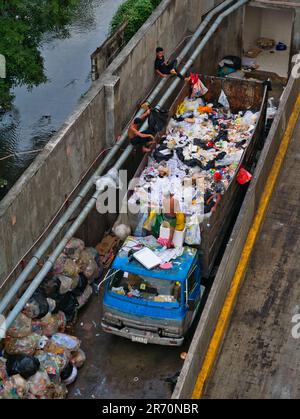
[(145, 138), (171, 208), (165, 68)]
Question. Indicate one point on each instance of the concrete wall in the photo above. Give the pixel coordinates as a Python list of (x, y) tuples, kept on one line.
[(40, 192), (268, 23), (222, 282), (104, 55)]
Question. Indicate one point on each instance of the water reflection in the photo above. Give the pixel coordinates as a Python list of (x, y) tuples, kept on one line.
[(38, 113)]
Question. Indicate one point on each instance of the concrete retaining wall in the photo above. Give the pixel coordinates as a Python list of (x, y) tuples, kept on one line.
[(29, 206), (222, 283)]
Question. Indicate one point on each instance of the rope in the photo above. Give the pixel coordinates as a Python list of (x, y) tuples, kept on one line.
[(21, 153)]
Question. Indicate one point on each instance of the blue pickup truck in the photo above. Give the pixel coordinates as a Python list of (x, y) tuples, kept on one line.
[(154, 306)]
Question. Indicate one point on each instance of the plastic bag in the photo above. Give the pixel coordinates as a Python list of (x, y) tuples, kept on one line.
[(52, 323), (69, 374), (3, 372), (37, 307), (73, 248), (22, 346), (20, 384), (37, 385), (50, 288), (56, 391), (70, 268), (53, 364), (82, 284), (68, 304), (21, 327), (59, 264), (66, 284), (223, 100), (25, 366), (193, 232), (66, 341), (243, 177), (88, 264), (78, 358), (84, 298), (91, 271), (8, 391), (52, 305), (249, 119)]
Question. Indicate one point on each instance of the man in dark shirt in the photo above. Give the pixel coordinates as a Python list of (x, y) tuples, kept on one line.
[(165, 68)]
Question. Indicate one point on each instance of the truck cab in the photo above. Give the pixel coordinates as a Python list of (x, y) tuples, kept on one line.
[(154, 306)]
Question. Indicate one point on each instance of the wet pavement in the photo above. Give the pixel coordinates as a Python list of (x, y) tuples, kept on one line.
[(116, 368)]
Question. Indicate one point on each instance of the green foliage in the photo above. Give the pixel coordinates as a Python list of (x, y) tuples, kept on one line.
[(22, 25), (136, 12)]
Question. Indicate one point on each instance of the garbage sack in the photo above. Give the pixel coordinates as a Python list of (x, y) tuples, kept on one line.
[(22, 346), (20, 328), (53, 364), (157, 120), (56, 391), (193, 232), (82, 284), (69, 342), (52, 305), (66, 284), (243, 176), (8, 390), (69, 374), (3, 372), (50, 288), (25, 366), (78, 358), (91, 271), (84, 298), (59, 264), (68, 304), (37, 307), (73, 248), (20, 384), (38, 384), (52, 323), (70, 268), (65, 266)]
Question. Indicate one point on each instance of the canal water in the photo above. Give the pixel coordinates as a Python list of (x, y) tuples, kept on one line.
[(37, 114)]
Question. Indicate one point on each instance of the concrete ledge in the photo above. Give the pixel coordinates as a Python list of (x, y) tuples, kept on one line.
[(222, 283)]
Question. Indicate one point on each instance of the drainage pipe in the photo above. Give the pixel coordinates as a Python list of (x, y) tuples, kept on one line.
[(83, 193)]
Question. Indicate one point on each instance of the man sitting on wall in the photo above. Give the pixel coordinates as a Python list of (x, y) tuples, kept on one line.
[(165, 68), (144, 138)]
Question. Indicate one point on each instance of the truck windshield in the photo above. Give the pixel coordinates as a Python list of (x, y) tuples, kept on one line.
[(145, 288)]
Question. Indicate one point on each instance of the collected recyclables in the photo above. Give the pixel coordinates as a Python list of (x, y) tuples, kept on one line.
[(39, 359)]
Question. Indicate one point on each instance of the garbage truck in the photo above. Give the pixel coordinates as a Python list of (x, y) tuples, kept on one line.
[(153, 295), (152, 306)]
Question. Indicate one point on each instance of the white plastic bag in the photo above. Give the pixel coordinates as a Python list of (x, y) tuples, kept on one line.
[(223, 100), (193, 232)]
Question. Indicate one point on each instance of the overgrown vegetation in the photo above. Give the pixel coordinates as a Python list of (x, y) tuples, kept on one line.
[(22, 25), (136, 12)]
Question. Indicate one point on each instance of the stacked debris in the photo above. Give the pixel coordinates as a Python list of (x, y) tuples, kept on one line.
[(204, 145), (39, 360)]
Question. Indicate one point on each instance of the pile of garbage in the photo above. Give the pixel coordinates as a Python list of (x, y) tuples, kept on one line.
[(39, 360), (204, 145)]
